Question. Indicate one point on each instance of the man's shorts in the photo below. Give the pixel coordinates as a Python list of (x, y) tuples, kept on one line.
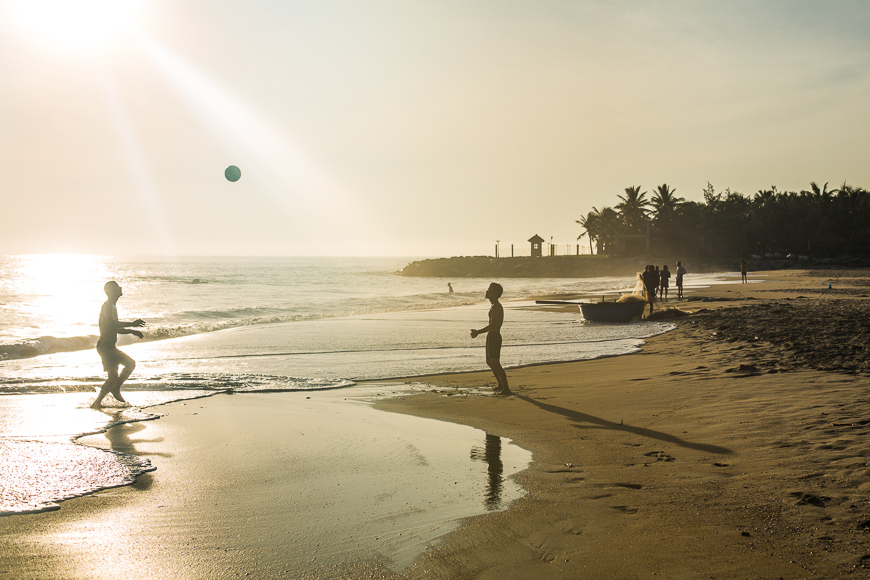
[(112, 357), (493, 345)]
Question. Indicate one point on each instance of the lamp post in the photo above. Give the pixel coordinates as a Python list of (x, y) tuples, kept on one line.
[(496, 248)]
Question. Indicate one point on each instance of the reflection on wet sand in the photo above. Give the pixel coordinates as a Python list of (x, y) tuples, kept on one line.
[(491, 453)]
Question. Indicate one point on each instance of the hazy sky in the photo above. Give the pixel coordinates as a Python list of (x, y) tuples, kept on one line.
[(407, 128)]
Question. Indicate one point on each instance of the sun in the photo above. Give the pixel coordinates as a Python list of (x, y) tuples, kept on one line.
[(75, 24)]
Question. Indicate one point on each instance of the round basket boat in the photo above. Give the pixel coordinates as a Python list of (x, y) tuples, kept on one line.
[(611, 311)]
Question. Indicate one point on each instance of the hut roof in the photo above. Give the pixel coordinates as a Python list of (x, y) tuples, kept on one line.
[(536, 239)]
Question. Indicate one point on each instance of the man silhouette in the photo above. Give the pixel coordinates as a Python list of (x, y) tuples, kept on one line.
[(493, 338), (680, 273), (110, 328)]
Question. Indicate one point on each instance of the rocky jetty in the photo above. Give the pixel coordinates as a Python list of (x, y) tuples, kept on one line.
[(588, 266), (547, 267)]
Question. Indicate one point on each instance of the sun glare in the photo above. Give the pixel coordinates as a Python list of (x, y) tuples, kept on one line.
[(64, 290), (75, 24)]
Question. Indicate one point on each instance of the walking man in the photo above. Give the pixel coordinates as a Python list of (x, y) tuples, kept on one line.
[(110, 328)]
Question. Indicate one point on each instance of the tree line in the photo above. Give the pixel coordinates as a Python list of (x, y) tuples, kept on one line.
[(818, 221)]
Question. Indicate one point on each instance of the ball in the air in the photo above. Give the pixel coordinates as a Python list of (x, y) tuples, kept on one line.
[(233, 173)]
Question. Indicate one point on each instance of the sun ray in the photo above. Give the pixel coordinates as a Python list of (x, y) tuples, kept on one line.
[(135, 161), (291, 177)]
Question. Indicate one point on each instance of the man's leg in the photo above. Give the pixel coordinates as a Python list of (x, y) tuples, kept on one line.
[(129, 364), (500, 375), (106, 388)]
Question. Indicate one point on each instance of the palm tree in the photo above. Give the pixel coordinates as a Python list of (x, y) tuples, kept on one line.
[(590, 223), (665, 204), (820, 205), (608, 227), (633, 209)]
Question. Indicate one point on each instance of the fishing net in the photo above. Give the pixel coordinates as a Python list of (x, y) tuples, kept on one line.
[(638, 294)]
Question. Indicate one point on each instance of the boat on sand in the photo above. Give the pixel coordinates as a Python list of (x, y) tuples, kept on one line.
[(611, 311), (605, 311)]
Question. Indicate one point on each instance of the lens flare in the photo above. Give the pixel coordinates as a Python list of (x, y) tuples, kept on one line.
[(83, 24)]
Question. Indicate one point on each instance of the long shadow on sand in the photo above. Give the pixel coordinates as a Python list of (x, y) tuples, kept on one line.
[(598, 423)]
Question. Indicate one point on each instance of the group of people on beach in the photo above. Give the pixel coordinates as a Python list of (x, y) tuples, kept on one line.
[(112, 357), (656, 282)]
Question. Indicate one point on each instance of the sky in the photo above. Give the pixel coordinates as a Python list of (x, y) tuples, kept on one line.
[(407, 128)]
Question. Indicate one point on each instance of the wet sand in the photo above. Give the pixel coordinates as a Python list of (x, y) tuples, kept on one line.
[(269, 485), (733, 447)]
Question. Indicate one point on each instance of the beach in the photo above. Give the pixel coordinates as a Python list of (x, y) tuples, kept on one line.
[(716, 452), (731, 447)]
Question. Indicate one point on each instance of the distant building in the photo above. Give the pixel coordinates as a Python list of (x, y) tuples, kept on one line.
[(537, 246)]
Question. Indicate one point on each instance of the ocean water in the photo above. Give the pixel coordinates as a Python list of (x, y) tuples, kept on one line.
[(241, 325)]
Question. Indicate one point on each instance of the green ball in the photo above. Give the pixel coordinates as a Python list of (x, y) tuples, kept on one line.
[(233, 173)]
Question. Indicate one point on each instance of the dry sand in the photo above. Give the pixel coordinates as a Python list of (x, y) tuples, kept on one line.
[(733, 447)]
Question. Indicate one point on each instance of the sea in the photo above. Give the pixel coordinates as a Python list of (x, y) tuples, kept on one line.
[(241, 324)]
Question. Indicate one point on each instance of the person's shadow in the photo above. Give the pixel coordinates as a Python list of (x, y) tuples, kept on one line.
[(599, 423), (120, 433)]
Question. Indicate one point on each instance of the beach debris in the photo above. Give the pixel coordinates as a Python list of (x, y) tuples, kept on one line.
[(667, 314)]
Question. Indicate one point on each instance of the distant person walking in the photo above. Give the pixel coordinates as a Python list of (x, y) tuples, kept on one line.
[(743, 271), (110, 328), (679, 278), (493, 338), (665, 276)]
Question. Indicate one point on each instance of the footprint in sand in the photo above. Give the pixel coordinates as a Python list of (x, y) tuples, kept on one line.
[(625, 509), (659, 456)]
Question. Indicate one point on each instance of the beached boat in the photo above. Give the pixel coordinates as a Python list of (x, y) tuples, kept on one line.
[(611, 311)]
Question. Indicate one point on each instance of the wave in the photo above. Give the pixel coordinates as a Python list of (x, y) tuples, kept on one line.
[(46, 345), (208, 383), (205, 321)]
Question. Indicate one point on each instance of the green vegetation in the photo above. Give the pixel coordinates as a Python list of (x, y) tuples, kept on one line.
[(818, 221)]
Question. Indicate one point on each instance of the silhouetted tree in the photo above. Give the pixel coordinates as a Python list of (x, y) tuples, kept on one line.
[(665, 205), (589, 223), (633, 210), (813, 221)]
